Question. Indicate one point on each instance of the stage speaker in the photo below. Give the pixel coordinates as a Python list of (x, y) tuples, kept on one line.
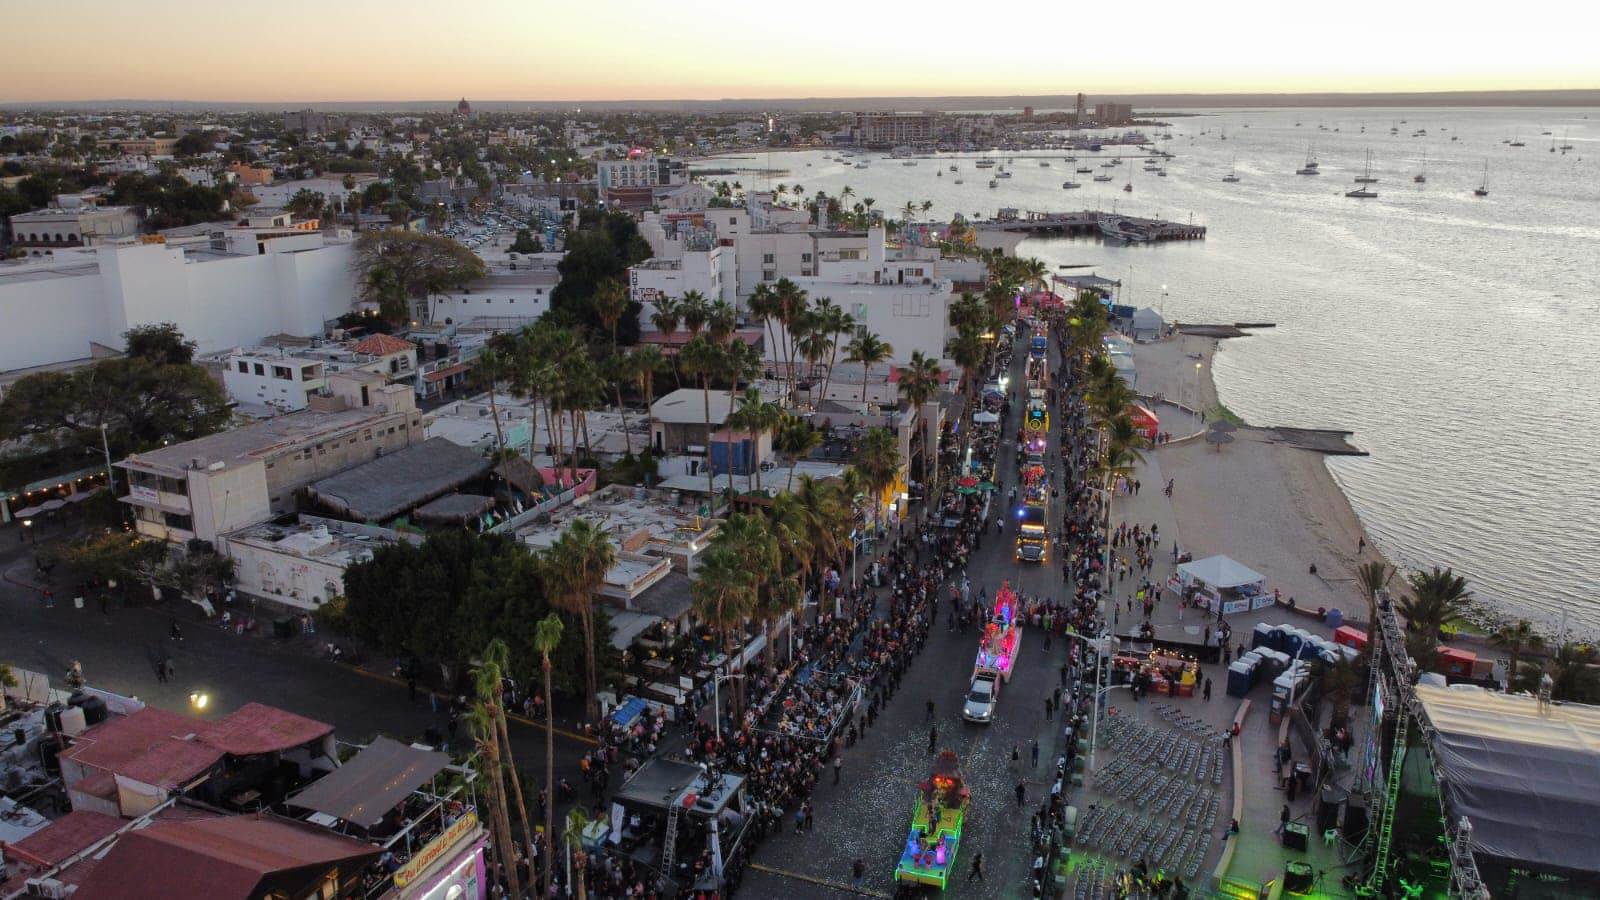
[(1297, 878), (1355, 823), (1295, 836)]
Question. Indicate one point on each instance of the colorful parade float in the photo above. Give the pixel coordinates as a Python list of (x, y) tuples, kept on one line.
[(930, 851), (1002, 636)]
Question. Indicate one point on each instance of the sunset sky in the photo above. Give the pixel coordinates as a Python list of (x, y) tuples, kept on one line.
[(351, 50)]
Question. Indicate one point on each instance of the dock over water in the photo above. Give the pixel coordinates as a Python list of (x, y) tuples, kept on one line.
[(1113, 226)]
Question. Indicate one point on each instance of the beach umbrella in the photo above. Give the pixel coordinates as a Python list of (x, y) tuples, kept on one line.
[(1224, 425), (966, 491), (1218, 438), (988, 486), (967, 481)]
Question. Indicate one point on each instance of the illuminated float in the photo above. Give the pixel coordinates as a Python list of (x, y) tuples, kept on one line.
[(929, 854)]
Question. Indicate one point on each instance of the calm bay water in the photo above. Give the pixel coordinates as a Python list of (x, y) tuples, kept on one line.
[(1458, 337)]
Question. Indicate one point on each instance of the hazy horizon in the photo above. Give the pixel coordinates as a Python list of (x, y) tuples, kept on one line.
[(632, 51)]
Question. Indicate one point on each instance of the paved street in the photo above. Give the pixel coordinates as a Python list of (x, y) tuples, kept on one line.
[(119, 652), (868, 813)]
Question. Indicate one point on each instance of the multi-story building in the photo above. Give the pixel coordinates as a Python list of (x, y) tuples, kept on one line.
[(251, 175), (43, 231), (891, 129), (310, 122), (499, 299), (302, 564), (271, 377), (1113, 113), (638, 172), (146, 146), (223, 288), (213, 485)]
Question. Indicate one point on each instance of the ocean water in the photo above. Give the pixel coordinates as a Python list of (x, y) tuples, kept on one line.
[(1458, 337)]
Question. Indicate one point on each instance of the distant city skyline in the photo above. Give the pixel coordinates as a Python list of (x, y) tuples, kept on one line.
[(501, 50)]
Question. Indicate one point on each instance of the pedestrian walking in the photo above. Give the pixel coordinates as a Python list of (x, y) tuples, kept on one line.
[(1208, 689), (800, 820), (976, 872), (1283, 820), (1022, 793), (1035, 754), (933, 738), (858, 872), (1047, 709), (808, 811), (838, 763), (1016, 757), (928, 716)]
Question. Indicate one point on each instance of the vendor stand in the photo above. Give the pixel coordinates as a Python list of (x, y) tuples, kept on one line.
[(1219, 583), (929, 854), (1167, 674)]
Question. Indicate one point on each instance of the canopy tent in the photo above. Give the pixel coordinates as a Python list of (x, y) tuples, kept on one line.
[(1146, 323), (392, 484), (985, 418), (1527, 777), (373, 782), (1221, 572)]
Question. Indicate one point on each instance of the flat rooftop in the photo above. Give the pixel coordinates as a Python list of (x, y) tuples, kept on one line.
[(262, 440), (319, 540), (633, 517)]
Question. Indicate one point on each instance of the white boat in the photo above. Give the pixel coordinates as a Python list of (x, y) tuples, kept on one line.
[(1085, 170), (955, 168), (1422, 177), (1070, 185), (909, 162), (1482, 190), (1233, 172), (959, 181), (985, 164), (1311, 166), (993, 183), (861, 165), (1366, 176), (1361, 193), (1102, 178), (1044, 164), (1003, 175)]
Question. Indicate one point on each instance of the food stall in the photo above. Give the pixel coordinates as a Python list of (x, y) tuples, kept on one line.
[(1218, 581), (929, 854), (1145, 421), (1165, 673)]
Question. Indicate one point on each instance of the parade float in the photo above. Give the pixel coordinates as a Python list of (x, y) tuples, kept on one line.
[(930, 851), (1002, 636)]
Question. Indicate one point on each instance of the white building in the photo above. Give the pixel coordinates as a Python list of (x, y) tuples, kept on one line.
[(302, 565), (708, 271), (55, 309), (271, 377), (331, 188), (639, 171), (44, 231), (685, 197), (522, 296)]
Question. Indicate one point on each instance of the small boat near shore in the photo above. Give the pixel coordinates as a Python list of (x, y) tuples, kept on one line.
[(1070, 185)]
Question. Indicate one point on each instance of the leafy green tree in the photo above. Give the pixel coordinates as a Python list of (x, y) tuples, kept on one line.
[(162, 344), (878, 460), (1515, 640), (602, 247), (869, 350), (575, 567), (526, 242), (398, 266)]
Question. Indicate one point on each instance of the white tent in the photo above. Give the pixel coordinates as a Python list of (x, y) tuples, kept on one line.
[(985, 418), (1146, 324), (1220, 572)]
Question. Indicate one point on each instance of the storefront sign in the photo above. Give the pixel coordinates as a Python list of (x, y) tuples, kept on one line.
[(147, 494), (435, 849)]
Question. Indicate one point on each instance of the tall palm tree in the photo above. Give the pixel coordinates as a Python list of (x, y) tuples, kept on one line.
[(702, 359), (877, 458), (1438, 595), (576, 823), (751, 539), (797, 438), (491, 676), (491, 368), (545, 641), (813, 345), (763, 305), (647, 361), (610, 301), (619, 369), (723, 596), (919, 383), (575, 567), (1576, 677), (1340, 681), (740, 362), (482, 727), (758, 416), (1036, 272), (668, 316), (835, 322), (721, 320), (824, 516), (792, 314), (1515, 639), (868, 350), (1373, 577)]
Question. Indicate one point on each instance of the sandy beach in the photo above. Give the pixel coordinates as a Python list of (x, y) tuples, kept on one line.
[(1270, 505)]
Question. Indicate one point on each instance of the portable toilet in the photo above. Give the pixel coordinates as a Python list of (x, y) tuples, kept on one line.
[(1292, 639), (1262, 636), (1241, 676)]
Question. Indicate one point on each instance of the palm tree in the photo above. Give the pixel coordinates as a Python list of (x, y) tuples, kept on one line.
[(724, 596), (1515, 639), (756, 415), (877, 458), (763, 305), (792, 308), (695, 311), (868, 350), (1438, 595), (575, 567), (751, 539), (1036, 271), (482, 727), (814, 343), (1340, 681), (610, 301), (797, 438), (740, 362), (926, 205), (819, 502), (1373, 577), (919, 383), (545, 641), (491, 676), (492, 367), (701, 358), (1576, 677), (577, 821), (721, 320), (667, 317), (647, 361), (619, 369), (834, 322)]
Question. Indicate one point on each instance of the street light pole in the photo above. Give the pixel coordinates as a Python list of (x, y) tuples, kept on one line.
[(716, 701)]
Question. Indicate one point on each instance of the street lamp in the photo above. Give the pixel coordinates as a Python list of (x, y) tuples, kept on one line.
[(1197, 386), (27, 531), (199, 700)]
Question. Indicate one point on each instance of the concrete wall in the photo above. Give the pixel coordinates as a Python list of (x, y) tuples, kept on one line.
[(288, 579), (229, 499), (522, 301)]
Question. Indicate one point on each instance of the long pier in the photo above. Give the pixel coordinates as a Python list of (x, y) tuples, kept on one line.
[(1089, 222)]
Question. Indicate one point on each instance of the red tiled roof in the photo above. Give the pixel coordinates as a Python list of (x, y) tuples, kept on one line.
[(446, 372), (154, 746), (216, 858), (64, 837), (381, 345)]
